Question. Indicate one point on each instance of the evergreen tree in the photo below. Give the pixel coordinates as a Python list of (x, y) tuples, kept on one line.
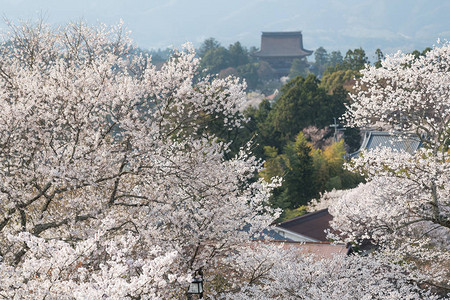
[(295, 165), (321, 60), (216, 60), (380, 56), (249, 72), (298, 181), (238, 55), (355, 59), (335, 59), (207, 45), (302, 103), (299, 67)]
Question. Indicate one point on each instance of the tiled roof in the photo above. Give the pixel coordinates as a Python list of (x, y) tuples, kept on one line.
[(270, 234), (311, 225), (282, 44), (400, 142)]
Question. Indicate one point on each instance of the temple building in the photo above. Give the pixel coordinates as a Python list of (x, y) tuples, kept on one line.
[(279, 49)]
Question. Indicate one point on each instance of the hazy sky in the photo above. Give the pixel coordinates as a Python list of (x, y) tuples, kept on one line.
[(333, 24)]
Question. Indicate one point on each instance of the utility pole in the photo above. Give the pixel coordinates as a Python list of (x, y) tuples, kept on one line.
[(336, 126)]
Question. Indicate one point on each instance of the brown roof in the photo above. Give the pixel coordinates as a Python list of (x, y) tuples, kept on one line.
[(282, 44), (312, 225), (320, 249)]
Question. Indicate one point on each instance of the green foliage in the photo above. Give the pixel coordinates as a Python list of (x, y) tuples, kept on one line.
[(380, 56), (276, 130), (417, 53), (321, 56), (237, 137), (254, 129), (216, 59), (329, 172), (334, 156), (263, 111), (274, 164), (355, 59), (306, 171), (299, 68), (335, 59), (239, 61), (302, 103), (352, 139), (295, 165), (292, 213), (238, 55), (250, 73), (159, 55), (207, 45), (333, 80), (322, 60), (236, 61), (249, 131)]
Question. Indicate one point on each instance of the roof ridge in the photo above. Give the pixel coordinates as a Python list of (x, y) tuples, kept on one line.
[(304, 216)]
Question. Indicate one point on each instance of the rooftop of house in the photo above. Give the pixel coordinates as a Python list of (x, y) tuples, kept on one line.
[(270, 235), (319, 249), (282, 44), (311, 225), (400, 142)]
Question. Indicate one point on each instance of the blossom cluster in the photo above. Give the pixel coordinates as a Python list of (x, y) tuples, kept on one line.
[(403, 209), (110, 186)]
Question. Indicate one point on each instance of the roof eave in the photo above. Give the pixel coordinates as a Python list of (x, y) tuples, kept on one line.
[(283, 56)]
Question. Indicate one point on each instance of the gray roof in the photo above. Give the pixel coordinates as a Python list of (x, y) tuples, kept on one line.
[(312, 225), (270, 234), (282, 44), (396, 141)]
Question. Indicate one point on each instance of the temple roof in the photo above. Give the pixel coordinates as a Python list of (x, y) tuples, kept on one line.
[(395, 141), (282, 44)]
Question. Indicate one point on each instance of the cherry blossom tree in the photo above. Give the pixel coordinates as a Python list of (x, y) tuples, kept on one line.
[(405, 205), (276, 272), (110, 185), (407, 93)]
